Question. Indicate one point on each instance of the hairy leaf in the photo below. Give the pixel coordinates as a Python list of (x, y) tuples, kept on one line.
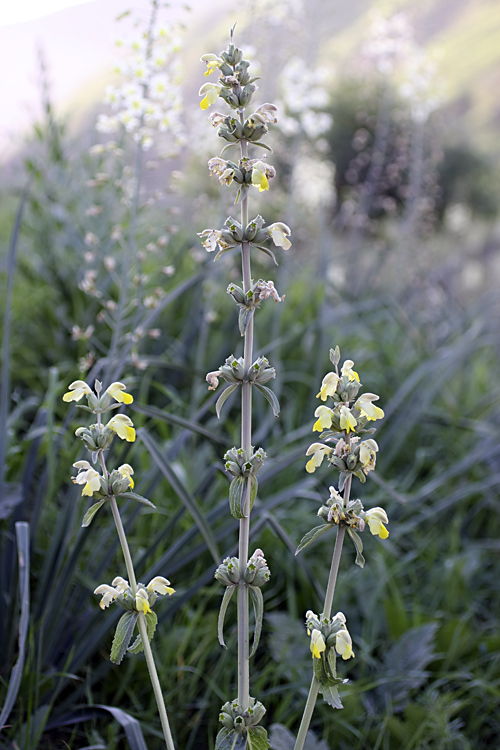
[(227, 739), (228, 593), (358, 544), (139, 498), (258, 608), (312, 535), (123, 634), (271, 397), (257, 739), (224, 396), (151, 622), (89, 515)]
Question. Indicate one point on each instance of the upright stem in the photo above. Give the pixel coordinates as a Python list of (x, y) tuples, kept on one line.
[(141, 621), (327, 608), (246, 442), (124, 544)]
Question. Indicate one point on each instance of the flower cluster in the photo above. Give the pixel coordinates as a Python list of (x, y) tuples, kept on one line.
[(329, 633), (233, 371), (256, 572), (149, 99), (344, 422), (239, 463), (121, 592), (233, 718), (255, 233)]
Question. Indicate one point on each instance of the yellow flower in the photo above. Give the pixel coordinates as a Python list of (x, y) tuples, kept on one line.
[(328, 386), (79, 388), (120, 583), (324, 421), (212, 61), (126, 471), (348, 371), (343, 644), (142, 601), (318, 452), (123, 426), (259, 178), (368, 454), (318, 644), (160, 585), (279, 232), (347, 421), (211, 92), (367, 407), (376, 517), (117, 391), (109, 594), (87, 476)]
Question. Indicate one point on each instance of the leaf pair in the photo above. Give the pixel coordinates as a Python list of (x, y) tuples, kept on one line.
[(258, 608)]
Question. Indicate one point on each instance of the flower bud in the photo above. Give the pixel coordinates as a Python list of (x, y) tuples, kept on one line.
[(257, 571), (228, 572)]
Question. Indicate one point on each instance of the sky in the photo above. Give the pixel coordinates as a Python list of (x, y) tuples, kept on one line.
[(28, 10)]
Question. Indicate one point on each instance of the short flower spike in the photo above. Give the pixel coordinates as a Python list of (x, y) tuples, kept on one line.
[(117, 391), (77, 390), (123, 426)]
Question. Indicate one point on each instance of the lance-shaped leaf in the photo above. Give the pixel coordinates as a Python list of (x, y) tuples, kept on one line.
[(228, 593), (331, 696), (244, 318), (271, 397), (311, 536), (151, 622), (228, 739), (266, 251), (123, 635), (139, 498), (259, 143), (238, 494), (258, 609), (224, 396), (89, 515), (358, 544), (257, 739)]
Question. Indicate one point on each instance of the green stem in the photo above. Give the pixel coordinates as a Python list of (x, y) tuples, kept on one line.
[(124, 544), (327, 608), (246, 442), (141, 622)]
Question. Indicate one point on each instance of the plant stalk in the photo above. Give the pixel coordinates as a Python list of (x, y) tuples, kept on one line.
[(246, 442), (327, 608), (141, 622)]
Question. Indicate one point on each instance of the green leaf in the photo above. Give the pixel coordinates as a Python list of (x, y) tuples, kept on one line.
[(151, 622), (271, 397), (266, 251), (311, 536), (244, 318), (228, 593), (258, 608), (262, 145), (238, 495), (23, 553), (224, 396), (139, 498), (123, 634), (257, 739), (358, 544), (331, 696), (89, 515), (228, 146), (227, 739)]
